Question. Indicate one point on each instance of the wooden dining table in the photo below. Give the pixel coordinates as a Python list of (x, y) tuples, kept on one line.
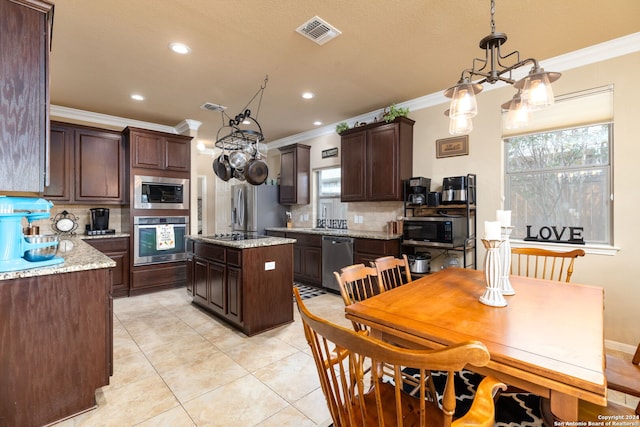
[(548, 340)]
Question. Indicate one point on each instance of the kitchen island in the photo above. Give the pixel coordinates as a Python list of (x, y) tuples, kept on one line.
[(55, 336), (248, 283)]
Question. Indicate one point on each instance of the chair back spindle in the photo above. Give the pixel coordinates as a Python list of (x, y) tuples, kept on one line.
[(393, 272), (543, 263)]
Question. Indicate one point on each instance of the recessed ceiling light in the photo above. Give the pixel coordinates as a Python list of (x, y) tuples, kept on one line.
[(180, 48), (137, 97), (317, 123), (307, 95)]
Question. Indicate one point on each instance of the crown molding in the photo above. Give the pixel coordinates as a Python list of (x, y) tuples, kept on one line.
[(105, 119), (579, 58)]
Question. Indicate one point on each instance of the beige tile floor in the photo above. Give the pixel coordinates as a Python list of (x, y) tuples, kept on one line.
[(175, 365)]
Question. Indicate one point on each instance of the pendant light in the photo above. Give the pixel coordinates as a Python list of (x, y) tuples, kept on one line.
[(534, 91)]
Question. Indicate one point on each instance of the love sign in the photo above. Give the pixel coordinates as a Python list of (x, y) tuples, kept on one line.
[(555, 234)]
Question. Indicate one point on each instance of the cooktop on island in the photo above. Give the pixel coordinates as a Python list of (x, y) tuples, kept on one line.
[(234, 236)]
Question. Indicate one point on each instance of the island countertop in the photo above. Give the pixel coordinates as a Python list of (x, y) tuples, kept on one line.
[(77, 255), (258, 242)]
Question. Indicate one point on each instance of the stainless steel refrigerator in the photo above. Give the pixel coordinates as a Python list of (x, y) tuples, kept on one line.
[(254, 208)]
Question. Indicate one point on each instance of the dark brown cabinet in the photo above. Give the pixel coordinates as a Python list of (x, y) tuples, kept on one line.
[(307, 258), (248, 288), (367, 250), (158, 150), (375, 160), (116, 248), (25, 29), (87, 165), (295, 175), (56, 345)]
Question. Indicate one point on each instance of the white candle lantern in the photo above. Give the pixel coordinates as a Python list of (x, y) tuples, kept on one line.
[(492, 270)]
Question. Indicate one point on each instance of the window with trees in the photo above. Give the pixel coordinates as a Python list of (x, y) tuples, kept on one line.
[(561, 178), (332, 213)]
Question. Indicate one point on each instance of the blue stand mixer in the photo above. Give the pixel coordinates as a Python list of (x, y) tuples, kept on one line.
[(16, 251)]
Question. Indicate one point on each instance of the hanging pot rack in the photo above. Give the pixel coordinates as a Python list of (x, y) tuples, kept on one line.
[(239, 140), (237, 137)]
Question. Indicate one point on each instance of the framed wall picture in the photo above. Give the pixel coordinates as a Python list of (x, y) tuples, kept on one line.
[(449, 147)]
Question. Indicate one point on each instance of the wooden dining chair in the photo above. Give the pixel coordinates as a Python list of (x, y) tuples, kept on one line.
[(358, 393), (357, 283), (393, 272), (543, 263), (623, 375)]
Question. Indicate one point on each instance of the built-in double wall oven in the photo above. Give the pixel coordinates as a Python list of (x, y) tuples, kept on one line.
[(159, 236)]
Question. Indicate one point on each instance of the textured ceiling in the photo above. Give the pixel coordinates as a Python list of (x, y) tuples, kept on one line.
[(389, 52)]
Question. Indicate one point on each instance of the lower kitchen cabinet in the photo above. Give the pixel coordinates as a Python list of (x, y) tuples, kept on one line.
[(56, 344), (250, 288), (156, 277), (307, 258), (366, 251), (116, 248)]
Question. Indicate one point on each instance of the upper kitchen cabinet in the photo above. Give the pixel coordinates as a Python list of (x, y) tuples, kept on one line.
[(158, 150), (295, 175), (375, 159), (87, 165), (25, 30)]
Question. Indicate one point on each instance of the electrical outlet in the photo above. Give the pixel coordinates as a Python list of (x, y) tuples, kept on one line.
[(306, 217)]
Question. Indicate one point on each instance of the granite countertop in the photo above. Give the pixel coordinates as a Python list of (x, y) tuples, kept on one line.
[(363, 234), (77, 255), (262, 241)]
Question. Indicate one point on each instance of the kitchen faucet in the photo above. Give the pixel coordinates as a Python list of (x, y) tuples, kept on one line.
[(324, 216)]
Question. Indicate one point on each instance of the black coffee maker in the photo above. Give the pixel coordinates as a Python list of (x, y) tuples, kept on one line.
[(416, 190), (99, 222)]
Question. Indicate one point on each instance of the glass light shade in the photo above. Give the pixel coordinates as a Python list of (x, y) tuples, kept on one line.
[(460, 125), (463, 101), (519, 114), (537, 91)]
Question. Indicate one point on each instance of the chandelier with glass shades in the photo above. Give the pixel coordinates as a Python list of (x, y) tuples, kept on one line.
[(534, 90)]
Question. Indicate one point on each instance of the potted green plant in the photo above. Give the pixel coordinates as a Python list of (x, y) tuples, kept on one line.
[(341, 127), (391, 112)]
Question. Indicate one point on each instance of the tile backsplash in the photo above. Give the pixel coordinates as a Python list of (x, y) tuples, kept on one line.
[(81, 212), (374, 215)]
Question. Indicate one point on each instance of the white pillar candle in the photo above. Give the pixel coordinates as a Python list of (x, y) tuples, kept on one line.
[(492, 230), (504, 217)]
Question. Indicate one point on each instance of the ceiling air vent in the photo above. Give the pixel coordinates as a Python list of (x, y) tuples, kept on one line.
[(318, 30), (212, 107)]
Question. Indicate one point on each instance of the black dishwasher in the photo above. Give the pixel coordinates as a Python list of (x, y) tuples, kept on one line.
[(337, 252)]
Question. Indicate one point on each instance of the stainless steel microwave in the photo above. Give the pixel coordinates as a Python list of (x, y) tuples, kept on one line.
[(157, 192), (438, 231)]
